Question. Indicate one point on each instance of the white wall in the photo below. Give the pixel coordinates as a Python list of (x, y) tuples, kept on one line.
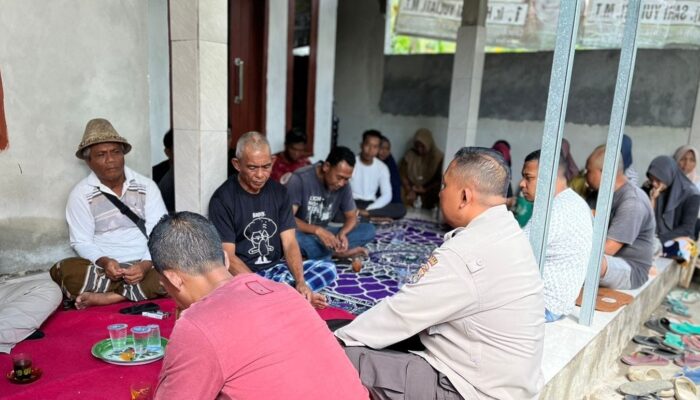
[(358, 88), (158, 76), (64, 62)]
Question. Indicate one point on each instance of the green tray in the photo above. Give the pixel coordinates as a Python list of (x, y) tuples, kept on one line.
[(103, 350)]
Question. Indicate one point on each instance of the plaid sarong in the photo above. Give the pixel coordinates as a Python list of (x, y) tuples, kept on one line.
[(317, 273)]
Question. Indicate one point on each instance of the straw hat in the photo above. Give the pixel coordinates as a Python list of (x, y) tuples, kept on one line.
[(99, 130)]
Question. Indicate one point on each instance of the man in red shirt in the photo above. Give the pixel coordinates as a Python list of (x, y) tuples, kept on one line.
[(243, 336), (292, 158)]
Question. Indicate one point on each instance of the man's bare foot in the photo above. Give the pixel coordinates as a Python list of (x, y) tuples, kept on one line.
[(356, 251), (89, 299), (319, 301)]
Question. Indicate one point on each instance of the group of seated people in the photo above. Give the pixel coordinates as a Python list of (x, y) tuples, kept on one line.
[(246, 275)]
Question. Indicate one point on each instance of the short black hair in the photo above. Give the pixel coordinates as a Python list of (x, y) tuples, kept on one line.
[(535, 156), (185, 241), (168, 139), (385, 139), (372, 133), (485, 167), (294, 136), (341, 153)]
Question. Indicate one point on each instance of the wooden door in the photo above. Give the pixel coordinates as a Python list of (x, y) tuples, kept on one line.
[(247, 68)]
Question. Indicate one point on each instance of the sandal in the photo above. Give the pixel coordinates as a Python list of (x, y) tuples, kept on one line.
[(644, 358), (660, 325), (685, 328), (685, 389), (688, 360), (674, 341), (643, 388)]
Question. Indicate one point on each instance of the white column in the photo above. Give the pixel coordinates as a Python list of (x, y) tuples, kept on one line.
[(275, 98), (325, 73), (694, 137), (467, 72), (199, 43)]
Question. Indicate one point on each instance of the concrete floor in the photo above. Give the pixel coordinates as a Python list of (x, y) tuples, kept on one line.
[(608, 389)]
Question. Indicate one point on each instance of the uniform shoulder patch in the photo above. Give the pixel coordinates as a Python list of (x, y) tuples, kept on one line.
[(429, 263)]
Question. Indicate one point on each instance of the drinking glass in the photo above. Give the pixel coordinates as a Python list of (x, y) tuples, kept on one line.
[(22, 366), (154, 338), (141, 334), (117, 334)]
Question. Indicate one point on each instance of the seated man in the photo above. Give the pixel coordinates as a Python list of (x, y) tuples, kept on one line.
[(568, 243), (629, 248), (292, 158), (253, 216), (242, 336), (371, 176), (320, 191), (476, 304), (110, 214), (384, 154), (24, 306)]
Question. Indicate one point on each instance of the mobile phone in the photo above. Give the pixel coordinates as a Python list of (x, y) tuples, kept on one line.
[(139, 308)]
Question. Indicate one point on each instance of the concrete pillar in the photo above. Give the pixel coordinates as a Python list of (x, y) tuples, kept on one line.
[(199, 45), (694, 137), (275, 98), (467, 72), (325, 74)]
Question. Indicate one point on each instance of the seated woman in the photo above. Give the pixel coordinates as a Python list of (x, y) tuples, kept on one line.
[(687, 158), (421, 171), (674, 198)]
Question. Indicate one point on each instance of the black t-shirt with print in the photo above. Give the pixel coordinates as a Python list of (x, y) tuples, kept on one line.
[(253, 222)]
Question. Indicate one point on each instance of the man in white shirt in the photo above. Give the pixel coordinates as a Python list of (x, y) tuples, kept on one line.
[(475, 305), (371, 181), (112, 244), (568, 243)]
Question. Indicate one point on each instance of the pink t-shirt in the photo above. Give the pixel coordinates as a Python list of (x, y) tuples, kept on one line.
[(255, 339)]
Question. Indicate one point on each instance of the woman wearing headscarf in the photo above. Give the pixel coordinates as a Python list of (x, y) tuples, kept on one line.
[(674, 198), (687, 158), (571, 167), (421, 171)]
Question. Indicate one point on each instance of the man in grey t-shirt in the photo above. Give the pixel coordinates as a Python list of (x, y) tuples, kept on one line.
[(318, 192), (629, 248)]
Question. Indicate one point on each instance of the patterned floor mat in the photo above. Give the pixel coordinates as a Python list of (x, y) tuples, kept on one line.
[(397, 252)]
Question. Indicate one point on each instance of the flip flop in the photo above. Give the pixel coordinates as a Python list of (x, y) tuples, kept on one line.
[(685, 389), (644, 358), (674, 341), (658, 346), (660, 325), (692, 374), (692, 343), (688, 360), (643, 388), (685, 328), (647, 374), (651, 341), (678, 308), (684, 295)]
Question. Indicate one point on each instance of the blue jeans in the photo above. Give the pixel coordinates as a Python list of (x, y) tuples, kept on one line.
[(312, 248)]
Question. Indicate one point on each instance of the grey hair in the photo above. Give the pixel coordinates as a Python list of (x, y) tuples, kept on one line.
[(86, 151), (485, 168), (255, 140), (187, 242)]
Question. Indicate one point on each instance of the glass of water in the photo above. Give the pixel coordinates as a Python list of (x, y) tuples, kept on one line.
[(117, 334), (141, 334), (154, 344)]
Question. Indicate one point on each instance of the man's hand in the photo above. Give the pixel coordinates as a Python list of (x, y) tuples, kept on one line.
[(327, 238), (343, 242), (111, 268), (317, 300), (136, 272)]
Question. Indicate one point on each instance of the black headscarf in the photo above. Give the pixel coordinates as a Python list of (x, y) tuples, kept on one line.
[(679, 188)]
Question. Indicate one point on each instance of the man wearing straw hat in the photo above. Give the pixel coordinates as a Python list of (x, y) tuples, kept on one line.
[(110, 214)]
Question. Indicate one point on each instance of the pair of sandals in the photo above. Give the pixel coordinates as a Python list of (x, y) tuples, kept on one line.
[(649, 384)]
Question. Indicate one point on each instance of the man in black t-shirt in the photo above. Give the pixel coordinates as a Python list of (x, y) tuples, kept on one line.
[(253, 216)]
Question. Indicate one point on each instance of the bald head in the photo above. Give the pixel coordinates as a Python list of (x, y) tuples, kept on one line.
[(484, 169), (597, 159)]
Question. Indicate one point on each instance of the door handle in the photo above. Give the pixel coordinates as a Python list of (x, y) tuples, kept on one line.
[(241, 67)]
